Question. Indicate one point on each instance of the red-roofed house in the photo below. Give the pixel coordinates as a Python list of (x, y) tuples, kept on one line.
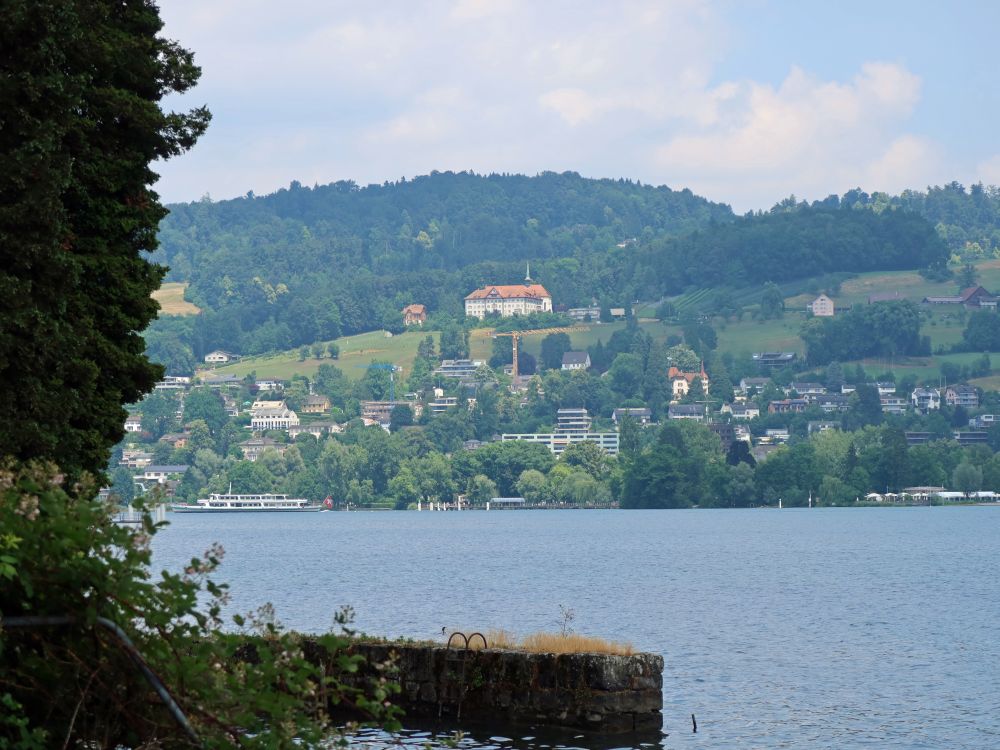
[(414, 315), (509, 300), (681, 381)]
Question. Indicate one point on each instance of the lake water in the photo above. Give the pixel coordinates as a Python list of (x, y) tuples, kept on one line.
[(816, 628)]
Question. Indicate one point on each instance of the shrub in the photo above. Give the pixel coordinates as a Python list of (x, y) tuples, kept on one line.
[(62, 554)]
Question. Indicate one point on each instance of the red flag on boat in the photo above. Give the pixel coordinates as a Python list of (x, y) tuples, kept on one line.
[(328, 502)]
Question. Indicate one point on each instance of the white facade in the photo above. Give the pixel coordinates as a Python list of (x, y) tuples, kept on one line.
[(218, 357), (822, 307), (273, 419), (557, 442), (508, 301)]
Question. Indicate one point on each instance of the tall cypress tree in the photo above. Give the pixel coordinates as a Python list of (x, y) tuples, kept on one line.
[(81, 83)]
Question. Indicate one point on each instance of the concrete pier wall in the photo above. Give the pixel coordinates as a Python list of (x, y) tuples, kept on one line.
[(597, 692)]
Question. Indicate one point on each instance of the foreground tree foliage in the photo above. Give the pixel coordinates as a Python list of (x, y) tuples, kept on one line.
[(73, 685), (80, 86)]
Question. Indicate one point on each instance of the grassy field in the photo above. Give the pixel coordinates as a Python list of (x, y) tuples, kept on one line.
[(944, 326), (171, 298), (355, 351)]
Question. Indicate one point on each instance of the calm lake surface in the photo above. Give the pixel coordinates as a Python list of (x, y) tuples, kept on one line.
[(796, 628)]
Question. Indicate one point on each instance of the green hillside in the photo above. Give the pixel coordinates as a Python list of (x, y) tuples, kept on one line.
[(944, 326)]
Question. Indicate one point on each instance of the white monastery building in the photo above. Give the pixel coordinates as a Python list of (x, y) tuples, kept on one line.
[(509, 300)]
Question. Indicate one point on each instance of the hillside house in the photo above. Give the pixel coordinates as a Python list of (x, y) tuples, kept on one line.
[(316, 404), (687, 411), (742, 412), (971, 437), (833, 402), (774, 360), (270, 385), (273, 419), (220, 357), (680, 381), (160, 474), (133, 423), (316, 429), (640, 414), (220, 381), (726, 433), (508, 300), (459, 368), (442, 403), (253, 447), (176, 439), (557, 442), (414, 315), (788, 406), (585, 314), (379, 411), (260, 404), (576, 361), (755, 384), (893, 404), (822, 307), (974, 298), (573, 420), (925, 399), (807, 390), (962, 395), (173, 383)]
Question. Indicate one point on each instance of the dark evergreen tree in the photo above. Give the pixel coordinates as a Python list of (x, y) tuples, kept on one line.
[(80, 86)]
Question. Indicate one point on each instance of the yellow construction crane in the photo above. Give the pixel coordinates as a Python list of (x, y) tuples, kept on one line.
[(515, 336)]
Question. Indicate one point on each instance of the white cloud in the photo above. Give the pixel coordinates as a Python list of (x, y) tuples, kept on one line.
[(320, 91), (988, 171), (806, 136)]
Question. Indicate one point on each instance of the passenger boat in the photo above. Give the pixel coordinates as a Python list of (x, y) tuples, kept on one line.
[(264, 502)]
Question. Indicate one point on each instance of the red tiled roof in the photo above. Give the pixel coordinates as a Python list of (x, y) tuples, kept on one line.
[(511, 291), (673, 373), (414, 309)]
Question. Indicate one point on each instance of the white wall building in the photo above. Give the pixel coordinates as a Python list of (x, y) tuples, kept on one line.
[(822, 307), (507, 301), (273, 419)]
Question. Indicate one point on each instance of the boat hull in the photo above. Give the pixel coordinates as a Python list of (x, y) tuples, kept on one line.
[(196, 510)]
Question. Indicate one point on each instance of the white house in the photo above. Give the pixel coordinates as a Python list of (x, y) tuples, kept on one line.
[(508, 300), (273, 419), (219, 357), (925, 399), (822, 307), (133, 423), (160, 474), (576, 361)]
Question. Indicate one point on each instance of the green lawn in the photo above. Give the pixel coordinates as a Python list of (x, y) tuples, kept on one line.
[(355, 351), (944, 326)]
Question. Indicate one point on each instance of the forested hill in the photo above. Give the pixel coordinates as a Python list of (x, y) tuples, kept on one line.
[(308, 264), (786, 245), (443, 220)]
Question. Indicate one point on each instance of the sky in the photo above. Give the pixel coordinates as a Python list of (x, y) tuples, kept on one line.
[(743, 101)]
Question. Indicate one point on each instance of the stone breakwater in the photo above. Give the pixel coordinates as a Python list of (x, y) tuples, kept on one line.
[(603, 693)]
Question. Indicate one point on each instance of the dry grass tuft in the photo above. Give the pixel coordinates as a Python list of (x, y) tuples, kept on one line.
[(553, 643)]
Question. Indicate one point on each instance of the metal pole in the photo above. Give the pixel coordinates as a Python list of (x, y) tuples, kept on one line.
[(40, 621)]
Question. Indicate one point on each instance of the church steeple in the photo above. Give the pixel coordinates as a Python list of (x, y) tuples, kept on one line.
[(527, 273)]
